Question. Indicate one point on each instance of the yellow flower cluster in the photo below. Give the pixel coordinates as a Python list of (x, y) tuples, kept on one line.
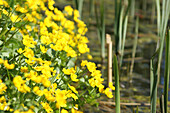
[(2, 87), (6, 64), (47, 41), (20, 84), (58, 39), (96, 79), (72, 74), (55, 95), (4, 105), (47, 107)]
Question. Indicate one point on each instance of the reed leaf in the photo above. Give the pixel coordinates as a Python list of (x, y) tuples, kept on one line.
[(117, 91)]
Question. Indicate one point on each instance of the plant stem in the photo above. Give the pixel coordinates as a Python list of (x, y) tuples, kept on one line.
[(166, 76), (117, 92)]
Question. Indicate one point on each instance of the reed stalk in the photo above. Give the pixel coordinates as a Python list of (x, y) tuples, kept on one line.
[(91, 11), (134, 45), (132, 10), (162, 104), (162, 20), (167, 69), (137, 109), (100, 20), (117, 91), (120, 27), (153, 86), (79, 6), (109, 59), (116, 25)]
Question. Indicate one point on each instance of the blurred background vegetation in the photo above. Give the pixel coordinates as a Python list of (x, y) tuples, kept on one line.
[(138, 29)]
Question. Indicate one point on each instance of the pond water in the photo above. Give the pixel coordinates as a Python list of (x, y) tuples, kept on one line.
[(135, 88)]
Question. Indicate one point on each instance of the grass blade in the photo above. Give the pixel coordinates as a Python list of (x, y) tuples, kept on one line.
[(117, 91)]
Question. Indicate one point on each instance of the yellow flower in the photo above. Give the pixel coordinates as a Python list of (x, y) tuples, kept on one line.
[(30, 61), (35, 89), (74, 78), (43, 49), (8, 66), (15, 18), (84, 62), (50, 4), (20, 84), (108, 93), (111, 86), (16, 111), (76, 13), (75, 111), (89, 56), (69, 71), (83, 48), (92, 82), (61, 103), (69, 10), (20, 50), (46, 82), (91, 66), (64, 111), (13, 28), (38, 79), (58, 76), (26, 88), (101, 88), (29, 53), (61, 98), (2, 88), (96, 73), (74, 96), (1, 61), (82, 30), (24, 69), (73, 89), (47, 107), (28, 28)]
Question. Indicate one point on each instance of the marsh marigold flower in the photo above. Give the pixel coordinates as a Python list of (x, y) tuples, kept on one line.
[(8, 66)]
